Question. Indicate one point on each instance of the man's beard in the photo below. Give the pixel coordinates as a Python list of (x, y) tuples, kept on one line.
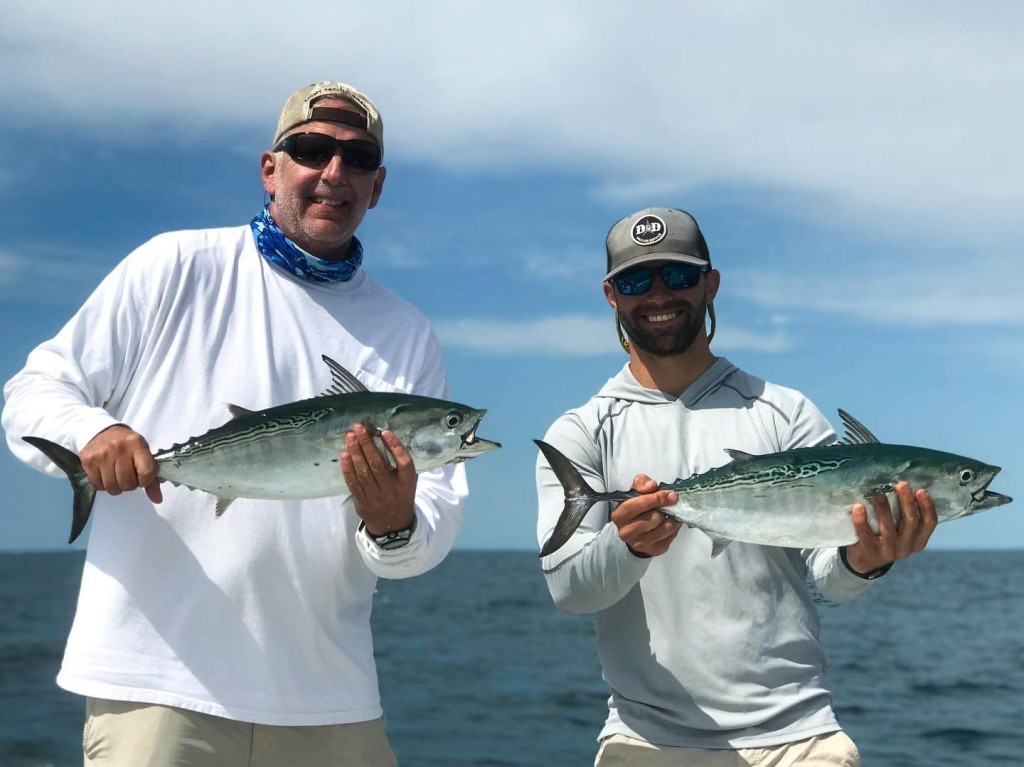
[(671, 341)]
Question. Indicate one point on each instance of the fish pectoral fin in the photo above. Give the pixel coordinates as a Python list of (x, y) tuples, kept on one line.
[(237, 411), (739, 455), (222, 504), (871, 492), (718, 544)]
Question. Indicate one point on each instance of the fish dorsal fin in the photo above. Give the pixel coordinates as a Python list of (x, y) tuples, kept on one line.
[(237, 411), (739, 455), (856, 432), (342, 382)]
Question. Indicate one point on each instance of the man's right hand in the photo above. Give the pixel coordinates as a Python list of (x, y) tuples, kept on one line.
[(118, 460), (642, 526)]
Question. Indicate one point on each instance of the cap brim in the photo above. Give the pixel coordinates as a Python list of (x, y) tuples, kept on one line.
[(683, 258)]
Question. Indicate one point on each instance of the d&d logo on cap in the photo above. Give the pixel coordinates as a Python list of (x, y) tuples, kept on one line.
[(649, 230)]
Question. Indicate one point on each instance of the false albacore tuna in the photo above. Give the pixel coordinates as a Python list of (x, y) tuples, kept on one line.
[(291, 451), (796, 498)]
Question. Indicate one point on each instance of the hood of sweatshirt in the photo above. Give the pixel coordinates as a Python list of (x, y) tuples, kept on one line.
[(624, 386)]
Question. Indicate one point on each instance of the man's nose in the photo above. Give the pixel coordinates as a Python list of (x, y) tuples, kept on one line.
[(659, 289), (334, 172)]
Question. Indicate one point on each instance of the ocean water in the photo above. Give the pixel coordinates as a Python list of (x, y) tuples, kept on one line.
[(477, 667)]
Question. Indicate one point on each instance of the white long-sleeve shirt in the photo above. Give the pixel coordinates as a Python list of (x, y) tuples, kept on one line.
[(261, 615), (698, 652)]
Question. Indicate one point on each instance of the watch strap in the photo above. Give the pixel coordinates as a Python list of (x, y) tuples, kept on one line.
[(865, 576)]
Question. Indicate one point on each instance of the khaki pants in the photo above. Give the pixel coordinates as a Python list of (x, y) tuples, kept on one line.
[(122, 734), (833, 750)]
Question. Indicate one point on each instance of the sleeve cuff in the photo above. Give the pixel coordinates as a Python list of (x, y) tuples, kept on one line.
[(638, 554), (89, 425)]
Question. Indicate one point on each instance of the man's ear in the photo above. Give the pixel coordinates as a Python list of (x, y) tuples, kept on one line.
[(378, 186), (713, 280), (268, 165), (609, 294)]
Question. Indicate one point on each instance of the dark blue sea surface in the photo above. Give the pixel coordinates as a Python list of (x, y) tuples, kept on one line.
[(477, 667)]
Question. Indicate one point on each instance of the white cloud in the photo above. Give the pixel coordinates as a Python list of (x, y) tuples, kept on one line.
[(901, 111), (572, 335), (580, 335), (626, 192), (774, 340), (916, 292), (566, 264)]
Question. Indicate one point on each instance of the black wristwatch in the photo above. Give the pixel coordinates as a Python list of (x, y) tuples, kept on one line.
[(393, 539)]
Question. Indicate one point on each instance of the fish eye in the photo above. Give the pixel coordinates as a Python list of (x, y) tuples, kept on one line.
[(966, 476), (452, 420)]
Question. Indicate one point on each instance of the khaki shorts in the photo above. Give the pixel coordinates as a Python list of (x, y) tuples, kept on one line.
[(833, 750), (122, 734)]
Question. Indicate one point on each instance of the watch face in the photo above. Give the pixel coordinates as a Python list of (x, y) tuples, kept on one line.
[(395, 539)]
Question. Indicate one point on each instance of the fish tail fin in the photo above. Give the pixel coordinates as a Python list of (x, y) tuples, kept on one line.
[(579, 497), (69, 463)]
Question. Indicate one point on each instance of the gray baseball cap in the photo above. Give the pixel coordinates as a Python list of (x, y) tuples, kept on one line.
[(655, 234), (300, 109)]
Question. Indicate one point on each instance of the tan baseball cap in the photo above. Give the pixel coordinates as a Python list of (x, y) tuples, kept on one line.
[(300, 108), (655, 234)]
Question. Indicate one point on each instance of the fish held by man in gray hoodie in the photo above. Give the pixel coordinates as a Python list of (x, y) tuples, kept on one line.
[(291, 451), (798, 498)]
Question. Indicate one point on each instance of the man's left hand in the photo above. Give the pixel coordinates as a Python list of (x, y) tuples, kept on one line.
[(876, 550), (383, 497)]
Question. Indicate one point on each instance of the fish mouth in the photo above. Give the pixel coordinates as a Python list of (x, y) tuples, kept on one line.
[(986, 500), (983, 499), (472, 445)]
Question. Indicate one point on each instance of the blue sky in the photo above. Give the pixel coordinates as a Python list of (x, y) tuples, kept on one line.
[(856, 168)]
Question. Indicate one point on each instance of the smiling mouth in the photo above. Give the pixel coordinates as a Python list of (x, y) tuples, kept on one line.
[(657, 318), (330, 203)]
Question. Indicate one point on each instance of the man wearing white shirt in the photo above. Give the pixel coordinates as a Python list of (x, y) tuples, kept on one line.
[(244, 639)]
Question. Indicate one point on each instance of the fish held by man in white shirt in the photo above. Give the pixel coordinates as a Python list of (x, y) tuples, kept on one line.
[(291, 451)]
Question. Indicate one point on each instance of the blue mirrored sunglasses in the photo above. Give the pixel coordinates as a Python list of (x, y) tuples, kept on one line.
[(639, 279)]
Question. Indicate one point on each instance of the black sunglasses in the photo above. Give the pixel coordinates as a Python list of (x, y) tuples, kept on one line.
[(639, 279), (315, 150)]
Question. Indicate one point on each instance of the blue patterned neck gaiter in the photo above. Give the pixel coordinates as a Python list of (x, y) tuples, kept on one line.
[(278, 249)]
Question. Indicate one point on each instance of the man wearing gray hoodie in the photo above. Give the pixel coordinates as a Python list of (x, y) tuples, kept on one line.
[(710, 661)]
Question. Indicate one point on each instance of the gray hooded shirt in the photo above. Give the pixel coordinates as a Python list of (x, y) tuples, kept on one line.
[(698, 652)]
